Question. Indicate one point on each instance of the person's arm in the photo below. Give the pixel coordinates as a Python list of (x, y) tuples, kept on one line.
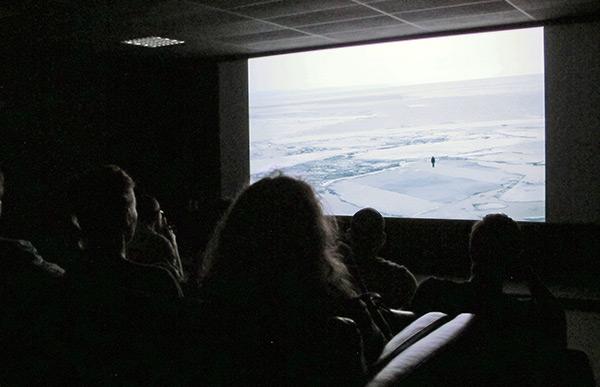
[(405, 286), (167, 231), (169, 284), (175, 253), (425, 298), (373, 339), (550, 313)]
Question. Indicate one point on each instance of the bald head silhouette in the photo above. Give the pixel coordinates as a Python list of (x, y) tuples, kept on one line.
[(367, 231)]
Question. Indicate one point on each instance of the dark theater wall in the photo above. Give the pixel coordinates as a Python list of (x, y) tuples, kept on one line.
[(234, 126), (64, 110), (573, 122)]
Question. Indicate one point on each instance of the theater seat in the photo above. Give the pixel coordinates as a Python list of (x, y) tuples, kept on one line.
[(429, 352), (415, 331), (399, 319)]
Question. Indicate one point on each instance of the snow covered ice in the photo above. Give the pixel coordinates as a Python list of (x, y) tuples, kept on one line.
[(372, 146)]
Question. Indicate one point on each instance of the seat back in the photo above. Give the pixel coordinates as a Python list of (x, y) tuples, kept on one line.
[(430, 353), (399, 319), (414, 332)]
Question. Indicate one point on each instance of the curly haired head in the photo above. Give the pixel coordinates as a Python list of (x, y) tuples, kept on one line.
[(274, 241)]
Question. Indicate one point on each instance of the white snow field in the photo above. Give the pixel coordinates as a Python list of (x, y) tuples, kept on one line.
[(371, 146)]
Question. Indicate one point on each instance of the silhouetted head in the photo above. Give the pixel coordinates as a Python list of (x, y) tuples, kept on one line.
[(104, 207), (149, 212), (495, 241), (367, 232), (275, 245)]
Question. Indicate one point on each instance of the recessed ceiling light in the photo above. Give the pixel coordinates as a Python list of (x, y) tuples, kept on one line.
[(153, 42)]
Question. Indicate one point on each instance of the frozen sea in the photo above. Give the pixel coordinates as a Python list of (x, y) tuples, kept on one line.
[(372, 146)]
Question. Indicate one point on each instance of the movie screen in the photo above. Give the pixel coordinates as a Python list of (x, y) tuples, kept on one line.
[(446, 127)]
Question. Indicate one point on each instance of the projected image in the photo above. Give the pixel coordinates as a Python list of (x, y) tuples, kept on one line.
[(449, 127)]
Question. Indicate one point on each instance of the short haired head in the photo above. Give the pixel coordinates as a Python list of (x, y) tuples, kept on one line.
[(494, 241), (104, 205), (367, 231)]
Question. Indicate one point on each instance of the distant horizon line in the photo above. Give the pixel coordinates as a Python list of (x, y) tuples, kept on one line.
[(388, 85)]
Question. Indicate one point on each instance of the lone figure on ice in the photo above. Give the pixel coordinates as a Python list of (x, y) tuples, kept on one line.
[(432, 162)]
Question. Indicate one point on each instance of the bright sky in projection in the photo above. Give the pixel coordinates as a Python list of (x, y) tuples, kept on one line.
[(450, 58)]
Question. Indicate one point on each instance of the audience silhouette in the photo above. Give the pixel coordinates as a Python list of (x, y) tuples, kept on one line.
[(278, 303), (154, 241), (28, 284), (104, 210), (495, 249), (272, 260), (522, 332), (20, 259), (394, 283), (113, 313)]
